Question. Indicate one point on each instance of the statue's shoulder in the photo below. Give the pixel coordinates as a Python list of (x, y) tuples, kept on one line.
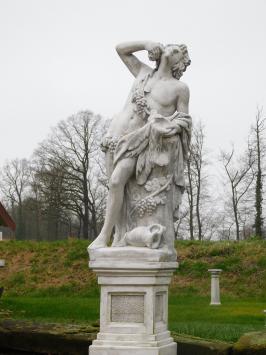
[(182, 88)]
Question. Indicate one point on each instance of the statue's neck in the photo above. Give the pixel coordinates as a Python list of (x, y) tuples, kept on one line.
[(164, 70)]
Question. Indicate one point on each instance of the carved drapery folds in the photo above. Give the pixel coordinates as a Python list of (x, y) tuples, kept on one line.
[(153, 193)]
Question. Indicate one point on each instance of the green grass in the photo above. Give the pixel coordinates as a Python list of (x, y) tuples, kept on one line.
[(53, 309), (51, 282), (187, 315), (32, 266), (194, 316)]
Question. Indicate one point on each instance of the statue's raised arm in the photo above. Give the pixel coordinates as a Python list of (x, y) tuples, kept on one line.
[(126, 50)]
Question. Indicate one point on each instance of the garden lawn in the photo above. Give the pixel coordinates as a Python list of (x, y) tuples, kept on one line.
[(51, 282), (187, 315)]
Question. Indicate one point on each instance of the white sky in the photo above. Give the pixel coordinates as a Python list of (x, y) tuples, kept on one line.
[(57, 57)]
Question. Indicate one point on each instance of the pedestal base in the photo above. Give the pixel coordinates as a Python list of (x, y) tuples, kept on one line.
[(170, 349), (134, 301)]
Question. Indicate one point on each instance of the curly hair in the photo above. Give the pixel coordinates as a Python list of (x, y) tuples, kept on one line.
[(180, 67)]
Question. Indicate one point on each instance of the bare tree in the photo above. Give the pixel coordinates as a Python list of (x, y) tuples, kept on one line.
[(240, 176), (72, 152), (259, 151), (53, 201), (181, 221), (36, 202), (197, 180), (224, 231), (191, 196), (14, 182)]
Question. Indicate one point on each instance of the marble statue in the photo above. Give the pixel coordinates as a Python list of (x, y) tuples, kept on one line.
[(146, 148)]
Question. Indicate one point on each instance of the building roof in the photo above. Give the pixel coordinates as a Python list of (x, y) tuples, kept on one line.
[(5, 219)]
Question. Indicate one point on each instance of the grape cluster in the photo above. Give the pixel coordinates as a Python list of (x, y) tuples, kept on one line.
[(140, 102), (146, 205), (112, 146), (109, 143)]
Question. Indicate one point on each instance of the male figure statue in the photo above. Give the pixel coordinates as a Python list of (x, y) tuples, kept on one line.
[(148, 141)]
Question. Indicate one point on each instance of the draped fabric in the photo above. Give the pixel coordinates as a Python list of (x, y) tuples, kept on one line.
[(153, 195), (146, 144)]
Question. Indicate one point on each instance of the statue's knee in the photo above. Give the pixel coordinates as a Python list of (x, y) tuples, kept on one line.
[(114, 182)]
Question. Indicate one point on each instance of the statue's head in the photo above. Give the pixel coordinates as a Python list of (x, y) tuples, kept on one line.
[(177, 57)]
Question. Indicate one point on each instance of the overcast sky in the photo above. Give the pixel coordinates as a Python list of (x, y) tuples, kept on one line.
[(57, 57)]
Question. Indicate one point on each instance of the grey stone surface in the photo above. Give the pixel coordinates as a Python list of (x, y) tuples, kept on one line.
[(188, 345), (149, 236), (251, 343), (2, 262), (127, 308), (169, 349), (159, 306), (132, 254), (134, 303)]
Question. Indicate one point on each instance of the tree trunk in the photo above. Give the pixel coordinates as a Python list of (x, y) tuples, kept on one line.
[(20, 229), (85, 217), (258, 193), (198, 207), (94, 223), (234, 202), (190, 200)]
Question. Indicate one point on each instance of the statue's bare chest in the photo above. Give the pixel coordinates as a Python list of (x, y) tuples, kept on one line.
[(163, 92)]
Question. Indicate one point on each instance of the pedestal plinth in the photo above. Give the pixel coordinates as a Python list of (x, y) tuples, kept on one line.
[(134, 301)]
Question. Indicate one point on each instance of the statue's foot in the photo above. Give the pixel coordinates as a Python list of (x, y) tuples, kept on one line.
[(118, 241), (171, 252), (99, 242)]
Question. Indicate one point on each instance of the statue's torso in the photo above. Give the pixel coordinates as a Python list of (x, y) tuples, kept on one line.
[(160, 95)]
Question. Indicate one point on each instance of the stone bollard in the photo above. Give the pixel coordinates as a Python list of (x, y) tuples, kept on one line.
[(215, 287), (264, 318), (1, 236), (2, 263)]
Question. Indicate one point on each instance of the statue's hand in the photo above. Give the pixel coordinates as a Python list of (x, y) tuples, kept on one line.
[(154, 49), (154, 116), (163, 125), (170, 130)]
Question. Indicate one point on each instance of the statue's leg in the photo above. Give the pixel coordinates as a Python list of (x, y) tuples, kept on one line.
[(120, 176), (109, 163)]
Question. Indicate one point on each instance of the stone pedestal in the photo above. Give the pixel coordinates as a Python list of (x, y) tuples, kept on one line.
[(134, 301), (215, 287)]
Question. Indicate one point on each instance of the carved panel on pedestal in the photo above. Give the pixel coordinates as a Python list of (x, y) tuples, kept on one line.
[(127, 308), (159, 307)]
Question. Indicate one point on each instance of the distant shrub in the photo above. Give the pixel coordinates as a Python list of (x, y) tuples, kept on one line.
[(17, 279), (262, 262), (222, 250), (231, 264), (196, 268), (75, 254)]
